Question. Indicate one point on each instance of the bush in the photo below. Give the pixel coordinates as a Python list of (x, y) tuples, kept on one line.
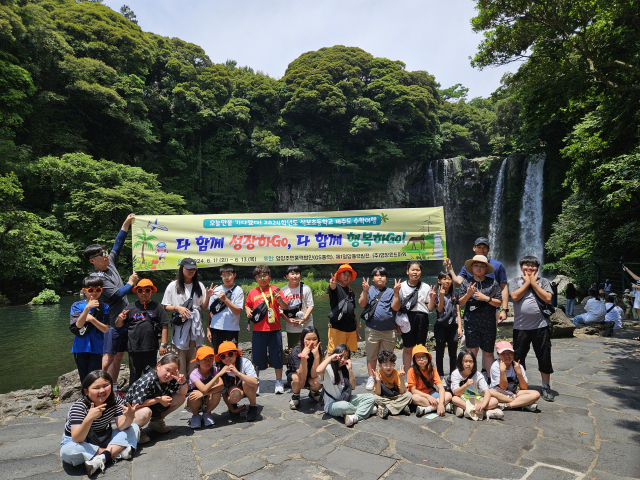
[(44, 297)]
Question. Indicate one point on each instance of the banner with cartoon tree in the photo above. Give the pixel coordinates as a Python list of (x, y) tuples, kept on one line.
[(390, 235)]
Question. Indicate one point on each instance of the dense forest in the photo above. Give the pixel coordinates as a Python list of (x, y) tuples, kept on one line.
[(99, 119)]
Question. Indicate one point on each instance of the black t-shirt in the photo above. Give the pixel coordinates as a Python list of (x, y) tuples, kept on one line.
[(348, 322), (294, 361), (140, 323)]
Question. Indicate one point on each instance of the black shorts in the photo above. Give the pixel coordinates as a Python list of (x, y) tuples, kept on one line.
[(419, 329), (306, 383), (157, 409), (480, 336), (540, 338), (219, 336), (445, 333), (116, 340)]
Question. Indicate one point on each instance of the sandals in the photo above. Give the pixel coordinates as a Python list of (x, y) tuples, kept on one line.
[(158, 425)]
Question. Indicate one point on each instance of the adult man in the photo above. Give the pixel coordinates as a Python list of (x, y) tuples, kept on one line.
[(530, 327), (114, 294)]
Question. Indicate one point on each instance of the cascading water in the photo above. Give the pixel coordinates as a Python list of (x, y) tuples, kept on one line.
[(432, 185), (497, 216), (531, 242)]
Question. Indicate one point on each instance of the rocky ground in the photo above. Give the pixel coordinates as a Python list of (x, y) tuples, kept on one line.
[(592, 430)]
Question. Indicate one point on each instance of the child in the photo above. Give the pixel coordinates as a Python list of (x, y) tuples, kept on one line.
[(224, 309), (448, 327), (481, 296), (239, 379), (89, 322), (416, 300), (301, 368), (205, 388), (300, 300), (509, 382), (338, 380), (88, 436), (422, 378), (144, 320), (468, 383), (391, 394), (188, 333), (343, 326), (380, 330), (266, 333), (158, 393)]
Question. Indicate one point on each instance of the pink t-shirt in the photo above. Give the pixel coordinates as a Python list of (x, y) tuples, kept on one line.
[(196, 376)]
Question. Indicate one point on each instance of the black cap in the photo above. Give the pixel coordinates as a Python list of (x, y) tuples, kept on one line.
[(189, 263), (480, 240)]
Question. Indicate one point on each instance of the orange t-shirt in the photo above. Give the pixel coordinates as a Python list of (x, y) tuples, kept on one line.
[(419, 384), (392, 382), (254, 298)]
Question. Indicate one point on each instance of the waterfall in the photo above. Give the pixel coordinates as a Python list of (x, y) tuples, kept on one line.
[(432, 185), (531, 242), (497, 211)]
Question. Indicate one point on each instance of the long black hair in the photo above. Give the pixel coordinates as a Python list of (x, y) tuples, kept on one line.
[(195, 281), (169, 358), (335, 364), (463, 353), (451, 291), (88, 381), (306, 331)]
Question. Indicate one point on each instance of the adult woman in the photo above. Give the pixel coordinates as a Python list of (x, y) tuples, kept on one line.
[(187, 333), (570, 294)]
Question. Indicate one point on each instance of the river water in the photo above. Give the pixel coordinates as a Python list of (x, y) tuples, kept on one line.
[(37, 342)]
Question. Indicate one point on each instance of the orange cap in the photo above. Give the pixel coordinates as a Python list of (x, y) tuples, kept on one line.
[(203, 352), (227, 346), (347, 268), (420, 349), (145, 282)]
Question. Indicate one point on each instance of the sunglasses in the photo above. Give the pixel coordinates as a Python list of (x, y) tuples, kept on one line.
[(225, 355), (145, 290), (262, 277), (102, 254), (91, 289)]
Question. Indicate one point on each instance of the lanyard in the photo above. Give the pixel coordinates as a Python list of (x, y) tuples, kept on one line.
[(265, 297)]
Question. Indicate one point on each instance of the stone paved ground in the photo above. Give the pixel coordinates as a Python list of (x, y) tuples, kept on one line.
[(591, 431)]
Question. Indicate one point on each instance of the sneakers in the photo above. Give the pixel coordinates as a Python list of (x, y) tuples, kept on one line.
[(383, 412), (157, 425), (124, 454), (448, 408), (195, 422), (495, 413), (406, 410), (350, 420), (420, 411), (207, 420), (547, 395), (95, 464), (531, 408), (374, 410), (279, 387), (295, 401), (370, 383), (252, 414), (503, 406), (458, 411)]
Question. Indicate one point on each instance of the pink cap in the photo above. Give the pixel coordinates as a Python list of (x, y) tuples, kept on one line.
[(503, 345)]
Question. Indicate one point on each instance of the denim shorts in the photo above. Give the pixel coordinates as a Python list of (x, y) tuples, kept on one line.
[(263, 341)]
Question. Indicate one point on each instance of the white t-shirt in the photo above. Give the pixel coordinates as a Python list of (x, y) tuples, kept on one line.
[(511, 373), (192, 329), (595, 311), (292, 297), (615, 315), (327, 384), (479, 383), (423, 296), (226, 319)]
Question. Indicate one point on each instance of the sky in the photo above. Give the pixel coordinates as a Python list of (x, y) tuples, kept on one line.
[(431, 35)]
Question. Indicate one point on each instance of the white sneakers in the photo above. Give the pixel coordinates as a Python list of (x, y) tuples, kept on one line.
[(371, 383), (124, 454), (350, 420), (279, 387), (420, 410), (208, 420), (95, 464), (531, 408), (495, 413)]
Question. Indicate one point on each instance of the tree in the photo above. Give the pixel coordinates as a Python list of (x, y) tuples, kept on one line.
[(128, 14)]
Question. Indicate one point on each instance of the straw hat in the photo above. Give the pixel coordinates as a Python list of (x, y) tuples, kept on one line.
[(468, 265)]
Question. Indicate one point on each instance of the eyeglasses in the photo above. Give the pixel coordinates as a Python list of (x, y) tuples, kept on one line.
[(104, 253), (226, 275), (91, 289), (388, 365), (225, 355), (262, 277), (145, 290)]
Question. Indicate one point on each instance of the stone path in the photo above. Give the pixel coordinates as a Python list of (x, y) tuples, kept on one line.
[(591, 431)]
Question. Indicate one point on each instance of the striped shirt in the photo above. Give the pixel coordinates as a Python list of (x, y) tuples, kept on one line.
[(79, 410)]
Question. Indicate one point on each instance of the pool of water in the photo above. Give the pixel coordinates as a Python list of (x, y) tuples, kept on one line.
[(37, 342)]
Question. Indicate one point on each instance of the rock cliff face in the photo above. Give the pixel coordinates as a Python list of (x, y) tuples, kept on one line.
[(464, 187)]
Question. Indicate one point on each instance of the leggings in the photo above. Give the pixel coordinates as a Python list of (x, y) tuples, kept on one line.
[(453, 351), (446, 335)]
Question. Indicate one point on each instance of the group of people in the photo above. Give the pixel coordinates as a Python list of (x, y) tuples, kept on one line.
[(164, 376)]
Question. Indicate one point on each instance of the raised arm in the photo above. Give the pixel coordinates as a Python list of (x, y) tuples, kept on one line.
[(457, 279)]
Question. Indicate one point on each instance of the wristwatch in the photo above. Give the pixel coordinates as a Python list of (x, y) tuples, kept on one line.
[(165, 345), (504, 309)]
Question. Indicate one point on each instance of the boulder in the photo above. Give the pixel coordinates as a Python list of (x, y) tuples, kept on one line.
[(23, 403), (562, 282), (561, 326), (603, 329)]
